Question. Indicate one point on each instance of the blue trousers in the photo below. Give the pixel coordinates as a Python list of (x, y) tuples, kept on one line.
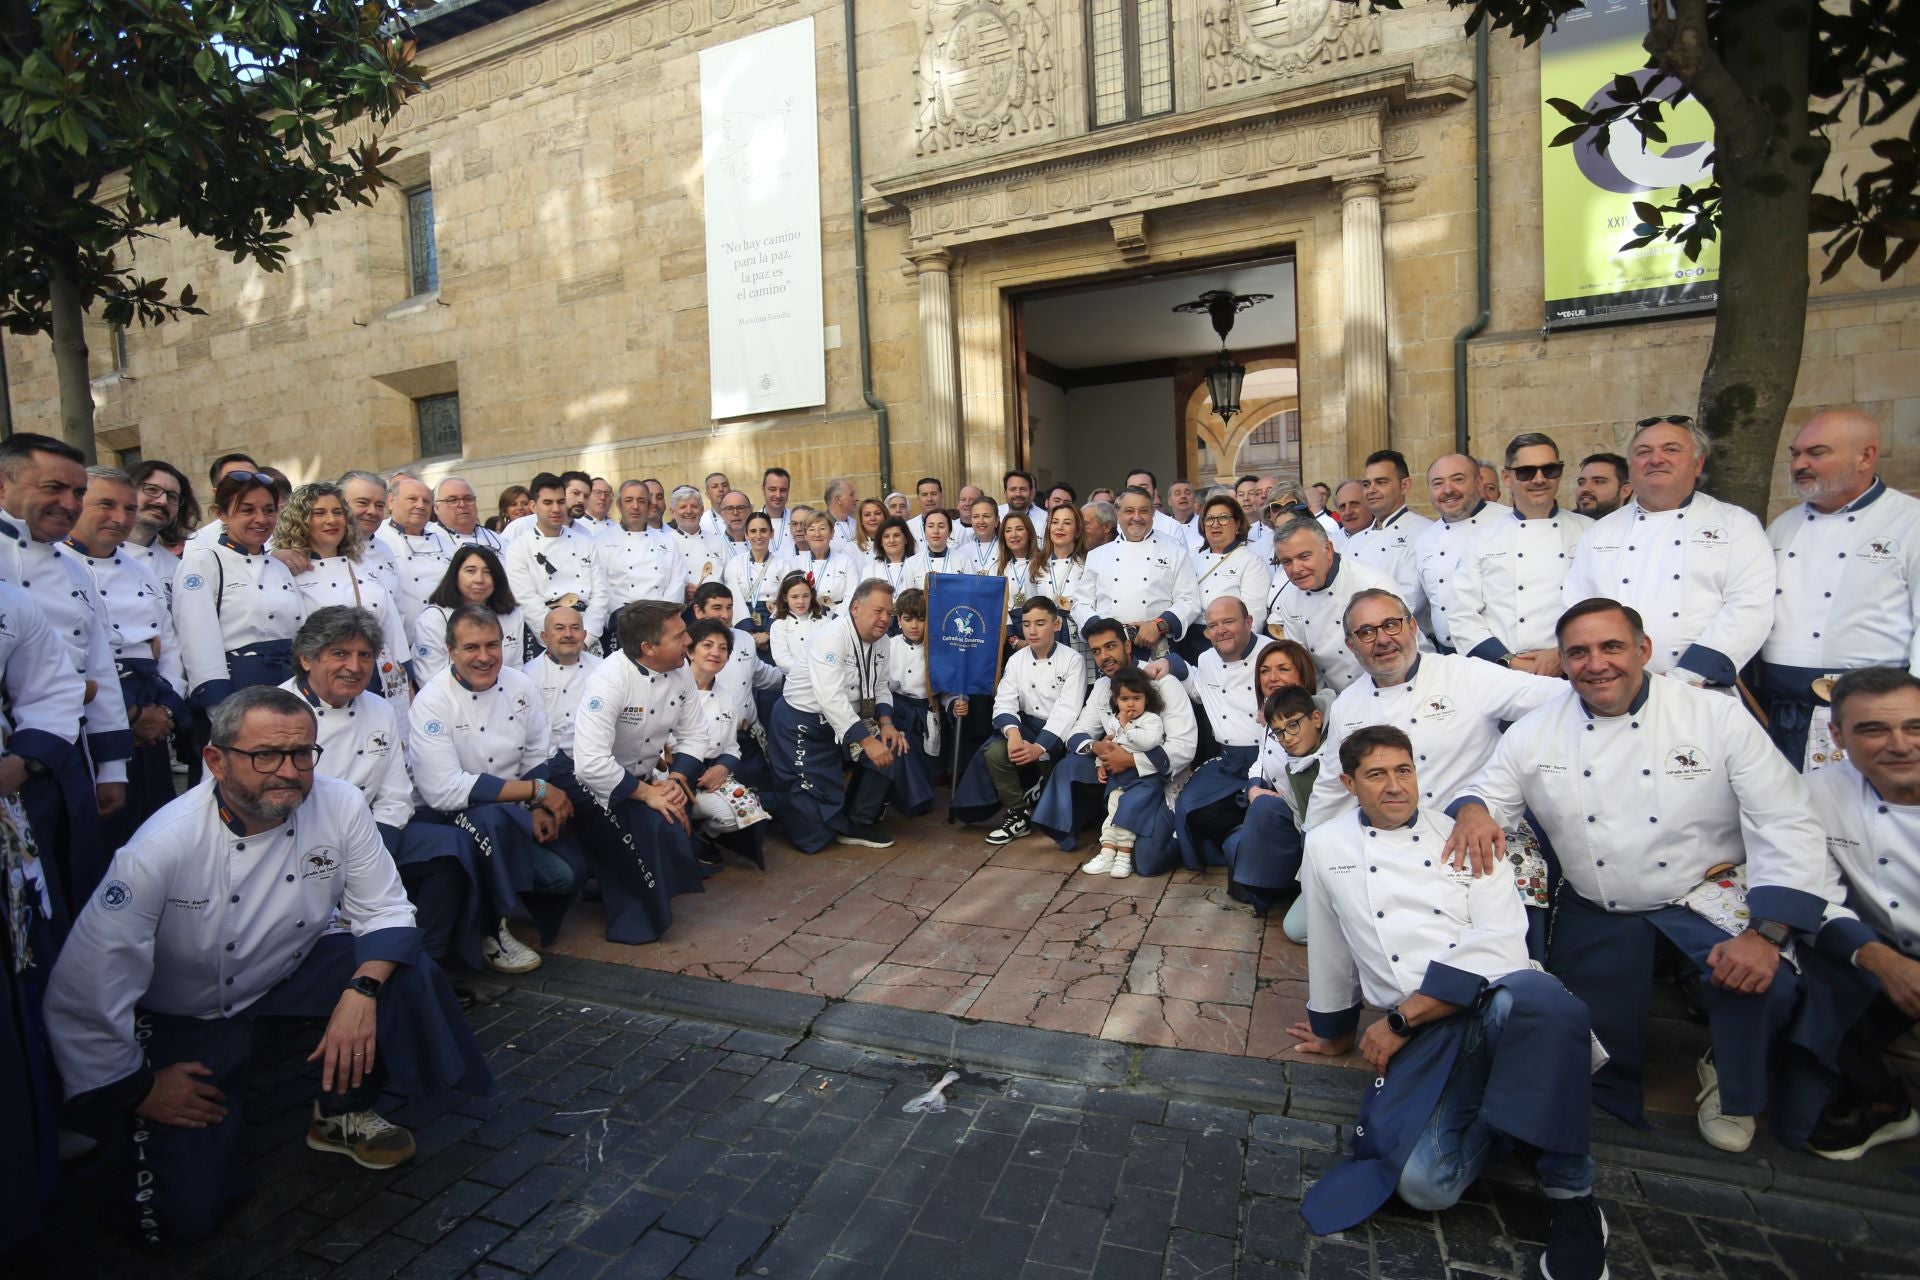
[(186, 1180), (1457, 1143)]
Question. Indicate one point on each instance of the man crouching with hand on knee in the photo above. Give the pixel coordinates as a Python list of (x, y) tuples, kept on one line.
[(1478, 1051)]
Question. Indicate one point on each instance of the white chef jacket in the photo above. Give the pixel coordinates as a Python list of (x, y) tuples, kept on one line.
[(1071, 585), (788, 639), (541, 570), (197, 920), (1873, 851), (704, 554), (1224, 689), (139, 619), (162, 563), (931, 562), (1438, 550), (362, 743), (1316, 619), (1151, 578), (480, 537), (467, 744), (1241, 572), (561, 689), (909, 573), (205, 536), (1847, 591), (518, 528), (907, 668), (1507, 587), (43, 690), (1701, 576), (746, 671), (1639, 806), (1451, 707), (752, 580), (834, 579), (1175, 753), (713, 523), (593, 529), (839, 671), (225, 599), (981, 559), (430, 641), (338, 580), (628, 716), (60, 584), (1190, 529), (782, 544), (641, 566), (1388, 545), (1388, 917), (1049, 689), (419, 563)]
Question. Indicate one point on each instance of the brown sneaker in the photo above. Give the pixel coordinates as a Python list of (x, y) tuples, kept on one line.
[(363, 1135)]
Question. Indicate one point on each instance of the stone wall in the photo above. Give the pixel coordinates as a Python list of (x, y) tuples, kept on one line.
[(562, 145)]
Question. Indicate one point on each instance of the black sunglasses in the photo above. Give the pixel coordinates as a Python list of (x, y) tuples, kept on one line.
[(1671, 419), (1551, 470)]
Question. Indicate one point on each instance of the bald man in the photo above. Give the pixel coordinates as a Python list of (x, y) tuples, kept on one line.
[(1453, 483), (1848, 588)]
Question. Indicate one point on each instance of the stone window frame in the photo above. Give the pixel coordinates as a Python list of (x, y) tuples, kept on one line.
[(437, 448), (1130, 52), (422, 241)]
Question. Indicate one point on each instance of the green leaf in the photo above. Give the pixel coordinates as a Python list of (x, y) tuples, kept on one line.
[(1647, 213), (1577, 114), (1569, 135)]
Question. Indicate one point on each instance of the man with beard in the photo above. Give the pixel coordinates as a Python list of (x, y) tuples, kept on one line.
[(555, 564), (657, 496), (456, 515), (1309, 606), (1601, 488), (1018, 486), (419, 551), (146, 655), (214, 917), (166, 507), (1848, 590), (1453, 484)]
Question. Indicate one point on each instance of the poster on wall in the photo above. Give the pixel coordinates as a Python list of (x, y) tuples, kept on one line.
[(760, 145), (1587, 195)]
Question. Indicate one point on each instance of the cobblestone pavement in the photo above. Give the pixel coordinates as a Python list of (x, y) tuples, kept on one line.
[(638, 1145)]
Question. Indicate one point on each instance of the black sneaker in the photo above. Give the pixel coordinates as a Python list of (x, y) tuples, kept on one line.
[(1576, 1241), (1849, 1131), (1014, 828), (866, 838)]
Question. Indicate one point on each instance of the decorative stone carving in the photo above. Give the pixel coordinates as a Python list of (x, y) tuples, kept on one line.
[(1251, 40), (1130, 234), (985, 72)]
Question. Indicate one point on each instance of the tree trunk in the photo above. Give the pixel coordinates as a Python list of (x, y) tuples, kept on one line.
[(1766, 160), (70, 351)]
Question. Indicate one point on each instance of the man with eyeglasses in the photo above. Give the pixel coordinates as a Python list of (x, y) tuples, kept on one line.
[(1453, 483), (1506, 589), (1699, 570), (456, 515), (165, 503), (1848, 560), (735, 507), (215, 916), (1213, 804), (1308, 605)]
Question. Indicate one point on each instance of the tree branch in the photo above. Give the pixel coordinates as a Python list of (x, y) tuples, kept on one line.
[(1679, 42)]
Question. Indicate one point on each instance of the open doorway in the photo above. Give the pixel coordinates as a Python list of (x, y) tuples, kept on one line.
[(1109, 376)]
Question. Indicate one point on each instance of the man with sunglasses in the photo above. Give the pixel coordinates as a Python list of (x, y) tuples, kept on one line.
[(1453, 482), (1848, 559), (1506, 589), (216, 915), (1699, 570)]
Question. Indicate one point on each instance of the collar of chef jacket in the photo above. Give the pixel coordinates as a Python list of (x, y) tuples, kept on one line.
[(1639, 699)]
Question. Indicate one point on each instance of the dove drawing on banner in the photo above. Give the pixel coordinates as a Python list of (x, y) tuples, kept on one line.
[(753, 147)]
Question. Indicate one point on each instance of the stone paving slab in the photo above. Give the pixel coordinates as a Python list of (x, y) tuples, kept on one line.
[(636, 1144)]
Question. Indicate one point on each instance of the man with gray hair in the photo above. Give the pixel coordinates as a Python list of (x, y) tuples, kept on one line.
[(842, 502), (1099, 518), (1489, 479), (214, 916), (1453, 483), (1699, 571), (420, 552), (456, 515), (703, 554), (1309, 605)]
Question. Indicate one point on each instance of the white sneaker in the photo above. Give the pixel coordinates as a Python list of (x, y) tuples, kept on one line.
[(1728, 1133), (505, 953), (1122, 864), (1100, 864)]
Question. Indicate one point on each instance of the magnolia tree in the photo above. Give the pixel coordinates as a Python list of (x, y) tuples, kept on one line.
[(223, 119), (1777, 78)]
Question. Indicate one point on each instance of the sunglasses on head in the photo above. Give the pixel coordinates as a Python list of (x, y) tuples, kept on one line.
[(1671, 419), (1551, 470)]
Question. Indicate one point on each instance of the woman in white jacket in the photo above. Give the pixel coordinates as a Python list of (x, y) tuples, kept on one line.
[(473, 576), (315, 524)]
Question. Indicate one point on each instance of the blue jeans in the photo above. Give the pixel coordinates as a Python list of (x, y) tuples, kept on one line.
[(1456, 1144)]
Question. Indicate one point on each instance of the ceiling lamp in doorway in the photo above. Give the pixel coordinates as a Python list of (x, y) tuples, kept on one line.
[(1227, 376)]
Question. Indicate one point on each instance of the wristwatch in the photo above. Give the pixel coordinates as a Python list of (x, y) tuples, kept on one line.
[(1773, 931), (366, 986), (1398, 1024)]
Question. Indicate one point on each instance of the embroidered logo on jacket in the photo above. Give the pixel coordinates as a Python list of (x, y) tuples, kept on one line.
[(320, 862)]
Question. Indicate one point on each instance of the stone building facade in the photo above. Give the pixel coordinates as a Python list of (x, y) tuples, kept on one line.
[(561, 145)]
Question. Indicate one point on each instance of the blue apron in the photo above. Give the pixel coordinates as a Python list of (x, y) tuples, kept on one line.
[(1264, 854), (1787, 693), (149, 769), (974, 799), (1222, 778), (911, 772), (430, 836), (64, 815), (1537, 1093), (809, 765), (1075, 800)]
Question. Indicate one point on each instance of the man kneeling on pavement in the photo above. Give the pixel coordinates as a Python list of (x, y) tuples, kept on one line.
[(1478, 1050), (265, 891)]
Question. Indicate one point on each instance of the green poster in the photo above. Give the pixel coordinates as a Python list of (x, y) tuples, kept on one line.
[(1587, 196)]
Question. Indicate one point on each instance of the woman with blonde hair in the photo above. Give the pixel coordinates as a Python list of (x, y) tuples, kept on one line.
[(315, 523), (866, 528)]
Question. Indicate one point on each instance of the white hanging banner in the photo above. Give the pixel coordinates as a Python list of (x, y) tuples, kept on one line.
[(760, 139)]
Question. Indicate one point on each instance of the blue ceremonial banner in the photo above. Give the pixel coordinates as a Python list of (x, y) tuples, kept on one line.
[(966, 631)]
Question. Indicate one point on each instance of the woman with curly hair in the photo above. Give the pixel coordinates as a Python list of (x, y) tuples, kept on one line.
[(315, 524)]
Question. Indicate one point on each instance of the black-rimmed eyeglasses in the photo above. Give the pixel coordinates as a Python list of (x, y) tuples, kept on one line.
[(1386, 627), (269, 761)]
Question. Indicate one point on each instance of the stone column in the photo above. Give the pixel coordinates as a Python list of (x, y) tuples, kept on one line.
[(1363, 276), (939, 368)]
